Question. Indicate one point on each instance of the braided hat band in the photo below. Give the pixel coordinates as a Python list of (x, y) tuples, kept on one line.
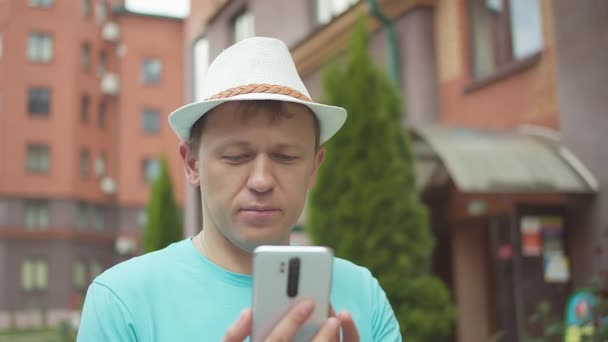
[(260, 88)]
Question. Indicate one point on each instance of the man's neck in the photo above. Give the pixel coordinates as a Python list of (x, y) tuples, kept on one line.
[(222, 252)]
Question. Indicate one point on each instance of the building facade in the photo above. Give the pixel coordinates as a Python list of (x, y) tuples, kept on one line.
[(492, 100), (85, 89)]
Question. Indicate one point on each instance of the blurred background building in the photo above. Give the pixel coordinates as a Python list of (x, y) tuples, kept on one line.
[(85, 87), (504, 100)]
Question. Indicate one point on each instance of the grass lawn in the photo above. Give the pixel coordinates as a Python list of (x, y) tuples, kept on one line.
[(44, 335)]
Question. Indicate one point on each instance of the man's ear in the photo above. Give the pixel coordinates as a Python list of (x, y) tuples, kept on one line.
[(190, 163), (319, 156)]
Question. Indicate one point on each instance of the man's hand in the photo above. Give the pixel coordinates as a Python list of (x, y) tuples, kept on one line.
[(288, 327)]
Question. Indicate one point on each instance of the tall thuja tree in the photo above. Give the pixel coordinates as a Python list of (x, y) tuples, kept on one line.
[(365, 203), (164, 224)]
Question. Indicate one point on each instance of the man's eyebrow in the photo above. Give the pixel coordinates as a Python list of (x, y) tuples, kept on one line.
[(231, 143), (293, 146)]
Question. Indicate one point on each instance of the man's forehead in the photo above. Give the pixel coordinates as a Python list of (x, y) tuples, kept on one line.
[(253, 106), (246, 111)]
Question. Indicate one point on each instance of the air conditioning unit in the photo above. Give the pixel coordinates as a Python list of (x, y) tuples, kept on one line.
[(110, 32), (125, 245), (108, 185), (110, 84)]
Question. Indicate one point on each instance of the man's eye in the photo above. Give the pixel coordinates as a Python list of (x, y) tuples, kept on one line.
[(285, 157), (235, 159)]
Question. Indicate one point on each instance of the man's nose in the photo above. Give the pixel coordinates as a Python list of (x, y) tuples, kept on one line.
[(261, 178)]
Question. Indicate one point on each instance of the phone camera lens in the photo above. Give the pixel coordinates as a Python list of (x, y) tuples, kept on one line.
[(293, 277)]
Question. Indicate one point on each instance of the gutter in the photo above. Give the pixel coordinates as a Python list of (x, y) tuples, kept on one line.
[(391, 40)]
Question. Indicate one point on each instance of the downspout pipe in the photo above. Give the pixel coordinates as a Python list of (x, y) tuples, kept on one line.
[(391, 40)]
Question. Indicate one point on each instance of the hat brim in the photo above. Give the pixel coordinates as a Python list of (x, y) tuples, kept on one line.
[(331, 118)]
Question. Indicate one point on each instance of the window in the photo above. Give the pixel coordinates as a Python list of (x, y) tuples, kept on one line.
[(85, 7), (40, 47), (503, 32), (150, 70), (37, 158), (80, 274), (243, 26), (84, 108), (327, 9), (150, 170), (101, 11), (84, 162), (99, 218), (101, 115), (85, 62), (201, 63), (34, 274), (36, 214), (40, 3), (39, 101), (103, 64), (100, 164), (82, 220), (142, 218), (151, 120), (95, 268)]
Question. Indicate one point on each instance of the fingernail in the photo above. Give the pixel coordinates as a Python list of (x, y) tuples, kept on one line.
[(242, 315), (333, 322), (306, 308), (345, 315)]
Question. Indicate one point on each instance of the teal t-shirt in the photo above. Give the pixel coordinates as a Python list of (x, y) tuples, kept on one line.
[(176, 294)]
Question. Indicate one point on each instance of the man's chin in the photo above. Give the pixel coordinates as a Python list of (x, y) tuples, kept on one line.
[(249, 242)]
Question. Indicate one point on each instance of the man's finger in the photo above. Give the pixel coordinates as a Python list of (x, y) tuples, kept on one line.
[(240, 329), (330, 331), (288, 327), (332, 312), (349, 329)]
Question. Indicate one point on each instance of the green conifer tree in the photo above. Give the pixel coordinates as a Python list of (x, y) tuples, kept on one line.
[(365, 203), (164, 223)]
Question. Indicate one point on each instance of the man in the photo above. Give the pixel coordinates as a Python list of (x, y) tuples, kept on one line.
[(253, 147)]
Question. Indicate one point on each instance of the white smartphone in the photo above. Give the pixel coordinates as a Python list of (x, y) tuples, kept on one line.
[(285, 275)]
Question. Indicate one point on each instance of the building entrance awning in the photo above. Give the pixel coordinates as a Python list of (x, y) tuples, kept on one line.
[(530, 160)]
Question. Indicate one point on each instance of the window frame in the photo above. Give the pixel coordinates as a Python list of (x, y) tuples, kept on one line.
[(37, 3), (85, 57), (331, 12), (147, 78), (145, 113), (34, 94), (86, 8), (35, 44), (39, 210), (79, 281), (82, 215), (37, 148), (84, 165), (102, 111), (236, 19), (505, 61), (36, 264), (146, 177), (85, 108)]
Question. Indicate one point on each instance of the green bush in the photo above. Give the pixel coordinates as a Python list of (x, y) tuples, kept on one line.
[(365, 204)]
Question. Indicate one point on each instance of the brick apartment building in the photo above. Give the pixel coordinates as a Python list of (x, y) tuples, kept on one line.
[(85, 88), (496, 93)]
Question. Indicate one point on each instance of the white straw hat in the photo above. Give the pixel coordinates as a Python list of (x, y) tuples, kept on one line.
[(257, 68)]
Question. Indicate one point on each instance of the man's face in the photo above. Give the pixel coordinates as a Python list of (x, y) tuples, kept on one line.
[(255, 171)]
